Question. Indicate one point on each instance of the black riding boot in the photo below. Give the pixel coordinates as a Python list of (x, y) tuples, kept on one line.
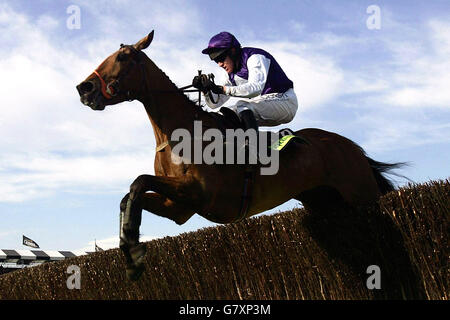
[(249, 122)]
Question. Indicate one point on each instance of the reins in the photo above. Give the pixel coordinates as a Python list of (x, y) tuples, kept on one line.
[(112, 89)]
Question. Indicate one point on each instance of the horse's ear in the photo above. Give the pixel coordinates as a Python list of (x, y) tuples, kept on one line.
[(144, 42)]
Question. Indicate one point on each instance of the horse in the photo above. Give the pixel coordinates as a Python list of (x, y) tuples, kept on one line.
[(178, 190)]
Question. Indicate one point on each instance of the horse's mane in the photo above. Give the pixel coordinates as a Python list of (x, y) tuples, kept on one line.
[(210, 119), (192, 103)]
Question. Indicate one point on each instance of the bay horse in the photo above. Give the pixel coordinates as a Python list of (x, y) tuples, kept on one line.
[(177, 191)]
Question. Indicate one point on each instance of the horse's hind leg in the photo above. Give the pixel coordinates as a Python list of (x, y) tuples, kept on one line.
[(322, 199)]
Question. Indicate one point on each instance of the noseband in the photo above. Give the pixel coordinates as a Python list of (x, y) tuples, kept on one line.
[(106, 88), (112, 89)]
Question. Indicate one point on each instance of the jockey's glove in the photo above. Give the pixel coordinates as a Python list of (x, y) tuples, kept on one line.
[(197, 83), (207, 84)]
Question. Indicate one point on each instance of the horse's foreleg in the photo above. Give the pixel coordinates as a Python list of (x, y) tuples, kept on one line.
[(130, 220), (180, 190), (183, 196), (164, 207)]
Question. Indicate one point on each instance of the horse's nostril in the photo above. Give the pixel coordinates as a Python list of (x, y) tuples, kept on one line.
[(85, 87)]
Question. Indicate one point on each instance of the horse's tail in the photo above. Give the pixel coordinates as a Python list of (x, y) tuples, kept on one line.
[(378, 168)]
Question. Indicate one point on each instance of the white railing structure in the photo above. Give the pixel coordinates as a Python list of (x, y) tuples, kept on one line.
[(15, 259)]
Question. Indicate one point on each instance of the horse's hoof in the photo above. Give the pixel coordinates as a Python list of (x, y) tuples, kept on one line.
[(134, 272)]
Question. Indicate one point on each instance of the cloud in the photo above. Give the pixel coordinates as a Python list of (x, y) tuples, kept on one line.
[(108, 243), (34, 176), (410, 101), (316, 77), (391, 84), (421, 76), (117, 18), (296, 26), (382, 135), (47, 23), (50, 142)]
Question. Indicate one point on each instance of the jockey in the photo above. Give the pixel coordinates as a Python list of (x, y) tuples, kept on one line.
[(253, 74)]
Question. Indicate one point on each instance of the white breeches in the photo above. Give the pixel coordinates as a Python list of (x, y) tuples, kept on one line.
[(270, 109)]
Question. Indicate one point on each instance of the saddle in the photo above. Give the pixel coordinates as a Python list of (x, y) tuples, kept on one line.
[(287, 136)]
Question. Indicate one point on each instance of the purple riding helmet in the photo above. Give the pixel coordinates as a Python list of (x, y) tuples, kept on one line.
[(220, 43)]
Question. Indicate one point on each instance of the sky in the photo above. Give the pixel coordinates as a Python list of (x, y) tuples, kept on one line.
[(380, 77)]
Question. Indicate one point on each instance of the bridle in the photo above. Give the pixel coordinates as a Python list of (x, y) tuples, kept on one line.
[(111, 89)]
